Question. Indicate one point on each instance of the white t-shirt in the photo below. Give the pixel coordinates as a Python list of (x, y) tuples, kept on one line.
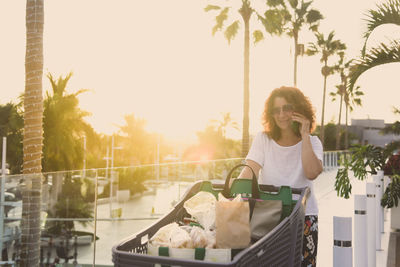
[(281, 165)]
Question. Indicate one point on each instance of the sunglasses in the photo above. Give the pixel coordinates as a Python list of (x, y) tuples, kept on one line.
[(285, 109)]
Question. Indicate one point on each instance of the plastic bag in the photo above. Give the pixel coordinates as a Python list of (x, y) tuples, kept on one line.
[(162, 236), (202, 207), (171, 235), (202, 238)]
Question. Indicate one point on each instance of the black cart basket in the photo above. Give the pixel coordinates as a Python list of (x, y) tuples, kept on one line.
[(280, 247)]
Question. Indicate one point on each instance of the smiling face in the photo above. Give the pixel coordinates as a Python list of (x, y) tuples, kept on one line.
[(282, 113)]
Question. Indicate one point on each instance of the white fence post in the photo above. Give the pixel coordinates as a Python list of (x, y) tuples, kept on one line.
[(378, 197), (386, 181), (381, 211), (360, 231), (342, 250), (371, 228)]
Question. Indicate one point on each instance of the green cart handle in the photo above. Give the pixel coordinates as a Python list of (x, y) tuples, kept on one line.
[(254, 185)]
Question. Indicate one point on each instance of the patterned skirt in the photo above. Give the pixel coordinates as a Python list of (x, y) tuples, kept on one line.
[(310, 241)]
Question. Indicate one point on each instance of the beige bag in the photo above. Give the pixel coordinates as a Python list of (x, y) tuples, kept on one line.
[(265, 216), (232, 224)]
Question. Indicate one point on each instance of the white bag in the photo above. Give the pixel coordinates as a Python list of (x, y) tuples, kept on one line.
[(211, 254)]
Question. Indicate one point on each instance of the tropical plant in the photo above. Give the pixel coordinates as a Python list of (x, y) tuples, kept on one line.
[(11, 126), (393, 128), (138, 145), (64, 127), (386, 13), (132, 179), (225, 123), (391, 196), (330, 135), (326, 47), (71, 205), (340, 92), (351, 98), (364, 159), (290, 17), (245, 11), (213, 144)]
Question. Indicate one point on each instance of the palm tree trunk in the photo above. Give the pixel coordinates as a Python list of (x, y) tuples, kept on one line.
[(295, 37), (33, 134), (346, 137), (246, 12), (338, 128), (323, 108)]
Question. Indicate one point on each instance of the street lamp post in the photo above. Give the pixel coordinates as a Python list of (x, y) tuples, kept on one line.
[(84, 157), (3, 179), (112, 170)]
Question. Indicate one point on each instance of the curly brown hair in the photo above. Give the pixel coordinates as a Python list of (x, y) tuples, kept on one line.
[(294, 96)]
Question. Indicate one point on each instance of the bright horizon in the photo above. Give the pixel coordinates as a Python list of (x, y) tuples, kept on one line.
[(158, 60)]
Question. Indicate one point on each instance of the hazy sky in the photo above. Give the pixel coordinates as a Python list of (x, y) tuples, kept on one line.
[(158, 60)]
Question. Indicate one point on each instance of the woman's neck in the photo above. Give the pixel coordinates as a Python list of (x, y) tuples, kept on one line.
[(288, 138)]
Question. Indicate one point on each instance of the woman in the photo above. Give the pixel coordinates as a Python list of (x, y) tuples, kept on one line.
[(287, 154)]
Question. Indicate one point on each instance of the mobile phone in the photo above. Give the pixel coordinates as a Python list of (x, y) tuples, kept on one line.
[(296, 127)]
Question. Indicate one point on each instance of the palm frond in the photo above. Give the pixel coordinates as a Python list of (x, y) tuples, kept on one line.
[(220, 19), (52, 81), (383, 54), (303, 9), (275, 3), (330, 37), (274, 20), (312, 49), (293, 3), (258, 36), (313, 16), (358, 93), (231, 31), (386, 13), (313, 20), (211, 7)]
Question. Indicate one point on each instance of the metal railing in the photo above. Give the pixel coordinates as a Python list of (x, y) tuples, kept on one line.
[(85, 212)]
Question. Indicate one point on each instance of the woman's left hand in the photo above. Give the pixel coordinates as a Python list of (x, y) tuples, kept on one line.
[(304, 122)]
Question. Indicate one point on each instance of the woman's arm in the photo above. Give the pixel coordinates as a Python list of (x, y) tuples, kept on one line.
[(312, 166), (246, 172)]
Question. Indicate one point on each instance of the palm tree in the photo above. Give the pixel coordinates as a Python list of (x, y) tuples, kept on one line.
[(137, 143), (33, 134), (290, 17), (352, 98), (386, 13), (245, 12), (342, 67), (11, 126), (225, 123), (64, 127), (327, 48)]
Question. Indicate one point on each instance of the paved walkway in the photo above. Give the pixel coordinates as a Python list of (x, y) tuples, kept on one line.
[(330, 205)]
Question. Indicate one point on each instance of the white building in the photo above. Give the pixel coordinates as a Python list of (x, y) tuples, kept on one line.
[(368, 131)]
